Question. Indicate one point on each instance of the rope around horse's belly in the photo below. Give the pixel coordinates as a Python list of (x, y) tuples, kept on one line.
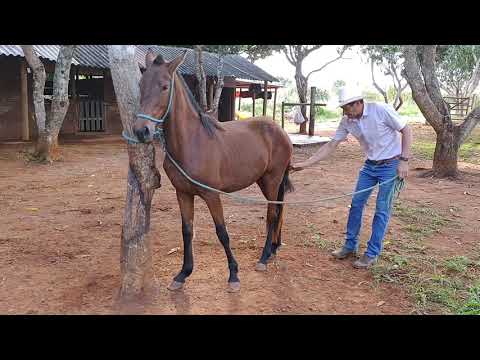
[(399, 184)]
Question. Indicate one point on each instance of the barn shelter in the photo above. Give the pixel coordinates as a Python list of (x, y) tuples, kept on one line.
[(93, 109)]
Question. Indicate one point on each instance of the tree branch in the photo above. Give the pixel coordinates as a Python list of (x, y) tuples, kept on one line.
[(218, 86), (427, 64), (307, 52), (328, 63), (398, 88), (61, 78), (289, 54), (39, 77), (474, 79), (466, 127), (380, 90), (419, 91)]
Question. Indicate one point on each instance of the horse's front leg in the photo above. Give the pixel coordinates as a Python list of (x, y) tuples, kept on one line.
[(216, 210), (186, 203)]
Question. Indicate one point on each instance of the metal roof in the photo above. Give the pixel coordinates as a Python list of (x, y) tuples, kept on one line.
[(96, 56)]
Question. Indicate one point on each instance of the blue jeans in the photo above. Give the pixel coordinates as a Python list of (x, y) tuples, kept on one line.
[(369, 176)]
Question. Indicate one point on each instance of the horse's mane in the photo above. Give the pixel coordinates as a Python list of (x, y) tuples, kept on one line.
[(208, 122)]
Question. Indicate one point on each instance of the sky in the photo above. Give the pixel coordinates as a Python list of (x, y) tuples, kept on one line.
[(354, 70)]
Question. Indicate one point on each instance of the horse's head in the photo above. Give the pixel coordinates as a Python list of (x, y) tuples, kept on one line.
[(155, 93)]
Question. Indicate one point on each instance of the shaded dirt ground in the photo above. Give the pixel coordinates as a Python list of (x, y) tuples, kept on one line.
[(60, 230)]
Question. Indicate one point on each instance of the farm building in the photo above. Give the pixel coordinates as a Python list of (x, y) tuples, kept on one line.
[(93, 108)]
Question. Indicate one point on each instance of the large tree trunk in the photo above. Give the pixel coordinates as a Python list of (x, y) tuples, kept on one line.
[(200, 74), (143, 176), (446, 155), (302, 89)]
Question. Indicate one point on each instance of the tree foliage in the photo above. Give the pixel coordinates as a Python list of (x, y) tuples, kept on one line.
[(389, 59), (458, 69)]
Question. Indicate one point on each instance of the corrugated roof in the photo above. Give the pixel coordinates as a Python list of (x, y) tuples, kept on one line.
[(96, 56)]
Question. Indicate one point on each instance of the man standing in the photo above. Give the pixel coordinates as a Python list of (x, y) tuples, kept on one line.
[(386, 140)]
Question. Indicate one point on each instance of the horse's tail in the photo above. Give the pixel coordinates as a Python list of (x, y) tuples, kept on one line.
[(286, 183)]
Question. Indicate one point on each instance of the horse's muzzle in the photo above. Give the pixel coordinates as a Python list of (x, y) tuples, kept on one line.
[(144, 134)]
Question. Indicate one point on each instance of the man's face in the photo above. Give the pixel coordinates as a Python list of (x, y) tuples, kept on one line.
[(353, 110)]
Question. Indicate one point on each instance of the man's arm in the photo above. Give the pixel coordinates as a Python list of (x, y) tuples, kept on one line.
[(407, 140), (324, 152)]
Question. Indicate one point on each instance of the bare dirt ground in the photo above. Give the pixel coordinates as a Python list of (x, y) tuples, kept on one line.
[(60, 228)]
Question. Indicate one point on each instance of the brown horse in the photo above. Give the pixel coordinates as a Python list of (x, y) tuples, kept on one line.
[(227, 156)]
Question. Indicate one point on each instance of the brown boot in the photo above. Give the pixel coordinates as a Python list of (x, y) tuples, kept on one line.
[(344, 253)]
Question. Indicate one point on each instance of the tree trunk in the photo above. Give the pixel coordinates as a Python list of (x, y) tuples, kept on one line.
[(143, 176), (218, 85), (39, 77), (46, 147), (302, 88), (446, 154), (200, 74), (60, 101)]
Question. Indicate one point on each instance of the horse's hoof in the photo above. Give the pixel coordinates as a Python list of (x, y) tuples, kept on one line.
[(233, 287), (260, 267), (175, 286)]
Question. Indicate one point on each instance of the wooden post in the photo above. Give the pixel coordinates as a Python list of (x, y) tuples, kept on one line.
[(73, 83), (274, 103), (311, 125), (210, 94), (239, 97), (265, 94), (283, 116), (24, 100), (253, 105), (232, 105)]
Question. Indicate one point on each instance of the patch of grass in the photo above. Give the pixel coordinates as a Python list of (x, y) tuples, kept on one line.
[(423, 147), (420, 221), (320, 243), (470, 151), (457, 264), (437, 285), (423, 150), (315, 239), (472, 305)]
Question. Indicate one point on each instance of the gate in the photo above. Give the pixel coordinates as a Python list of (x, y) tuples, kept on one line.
[(92, 116)]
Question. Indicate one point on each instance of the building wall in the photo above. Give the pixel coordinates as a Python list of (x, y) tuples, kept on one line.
[(113, 120), (10, 111)]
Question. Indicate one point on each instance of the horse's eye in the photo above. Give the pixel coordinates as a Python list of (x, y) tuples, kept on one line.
[(164, 87)]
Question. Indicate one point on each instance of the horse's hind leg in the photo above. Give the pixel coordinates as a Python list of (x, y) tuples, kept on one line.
[(270, 186), (185, 201), (216, 210)]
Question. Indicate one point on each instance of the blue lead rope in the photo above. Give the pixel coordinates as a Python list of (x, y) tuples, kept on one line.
[(399, 184)]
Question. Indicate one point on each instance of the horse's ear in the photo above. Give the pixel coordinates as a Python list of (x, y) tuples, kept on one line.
[(175, 63), (149, 58)]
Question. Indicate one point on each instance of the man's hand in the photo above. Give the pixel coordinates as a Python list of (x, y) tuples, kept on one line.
[(402, 169)]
